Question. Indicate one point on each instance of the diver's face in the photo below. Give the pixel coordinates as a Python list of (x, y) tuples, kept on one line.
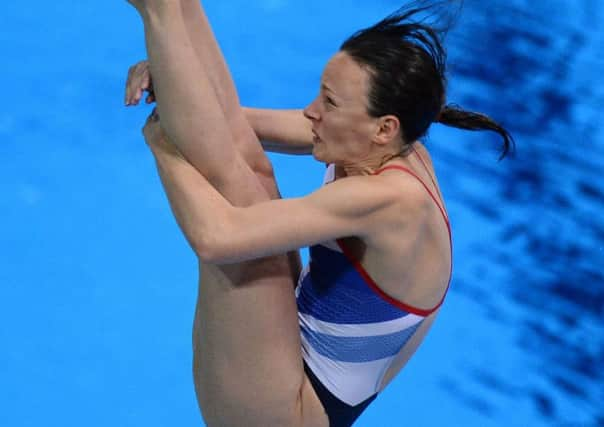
[(342, 127)]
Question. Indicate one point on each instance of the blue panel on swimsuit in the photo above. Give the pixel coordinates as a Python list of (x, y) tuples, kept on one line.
[(358, 349), (333, 291)]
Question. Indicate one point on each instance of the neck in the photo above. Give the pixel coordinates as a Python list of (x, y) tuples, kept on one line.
[(370, 166)]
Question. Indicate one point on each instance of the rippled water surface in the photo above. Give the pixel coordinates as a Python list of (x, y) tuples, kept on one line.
[(97, 286), (535, 264)]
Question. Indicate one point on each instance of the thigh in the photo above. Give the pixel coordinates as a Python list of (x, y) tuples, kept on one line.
[(247, 352), (247, 361)]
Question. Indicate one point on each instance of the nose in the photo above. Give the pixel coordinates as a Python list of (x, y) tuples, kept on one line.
[(311, 112)]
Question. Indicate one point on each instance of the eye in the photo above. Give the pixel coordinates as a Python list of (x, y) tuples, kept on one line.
[(329, 101)]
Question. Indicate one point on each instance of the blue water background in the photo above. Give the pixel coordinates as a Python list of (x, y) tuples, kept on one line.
[(97, 286)]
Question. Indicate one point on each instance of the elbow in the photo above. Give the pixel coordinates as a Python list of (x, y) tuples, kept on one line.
[(207, 249), (213, 248), (212, 245)]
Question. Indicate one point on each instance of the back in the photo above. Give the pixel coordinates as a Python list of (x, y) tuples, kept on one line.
[(355, 336)]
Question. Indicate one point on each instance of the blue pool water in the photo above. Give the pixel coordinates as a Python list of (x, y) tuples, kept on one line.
[(97, 286)]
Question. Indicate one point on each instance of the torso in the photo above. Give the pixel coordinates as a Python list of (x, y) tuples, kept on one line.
[(428, 271), (413, 279), (419, 275)]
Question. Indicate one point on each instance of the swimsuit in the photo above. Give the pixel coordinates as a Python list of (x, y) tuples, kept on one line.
[(351, 330)]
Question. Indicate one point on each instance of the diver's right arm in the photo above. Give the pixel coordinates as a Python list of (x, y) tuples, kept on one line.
[(281, 131)]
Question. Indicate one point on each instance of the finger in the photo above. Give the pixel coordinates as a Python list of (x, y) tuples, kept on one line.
[(128, 86), (133, 88), (134, 85), (137, 97), (146, 79), (135, 82), (144, 82)]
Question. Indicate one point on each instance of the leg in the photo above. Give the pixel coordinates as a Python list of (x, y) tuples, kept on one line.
[(210, 57), (191, 111), (241, 310), (250, 370)]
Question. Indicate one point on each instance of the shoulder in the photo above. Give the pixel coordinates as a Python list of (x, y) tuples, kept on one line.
[(391, 187), (409, 208), (406, 189), (390, 200)]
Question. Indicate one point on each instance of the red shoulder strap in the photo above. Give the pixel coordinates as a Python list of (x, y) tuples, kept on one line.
[(410, 172), (445, 217)]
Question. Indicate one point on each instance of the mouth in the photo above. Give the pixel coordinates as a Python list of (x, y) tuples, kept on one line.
[(315, 138)]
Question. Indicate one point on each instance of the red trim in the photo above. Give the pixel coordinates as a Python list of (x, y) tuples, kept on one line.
[(427, 170), (402, 168), (374, 286)]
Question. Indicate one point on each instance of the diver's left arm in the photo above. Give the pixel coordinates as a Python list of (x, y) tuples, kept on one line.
[(220, 233)]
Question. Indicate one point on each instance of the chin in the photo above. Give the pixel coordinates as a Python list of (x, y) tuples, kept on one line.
[(318, 155)]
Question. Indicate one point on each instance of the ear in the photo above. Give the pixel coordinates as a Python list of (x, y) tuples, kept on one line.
[(388, 129)]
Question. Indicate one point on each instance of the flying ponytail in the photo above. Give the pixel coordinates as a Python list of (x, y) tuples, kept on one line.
[(452, 115), (406, 60)]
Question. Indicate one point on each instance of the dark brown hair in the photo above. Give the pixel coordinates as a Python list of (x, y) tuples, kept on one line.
[(406, 60)]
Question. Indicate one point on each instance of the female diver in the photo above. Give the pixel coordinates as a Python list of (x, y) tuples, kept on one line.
[(378, 231)]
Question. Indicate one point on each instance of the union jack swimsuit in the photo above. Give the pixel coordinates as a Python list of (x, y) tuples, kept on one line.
[(351, 330)]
